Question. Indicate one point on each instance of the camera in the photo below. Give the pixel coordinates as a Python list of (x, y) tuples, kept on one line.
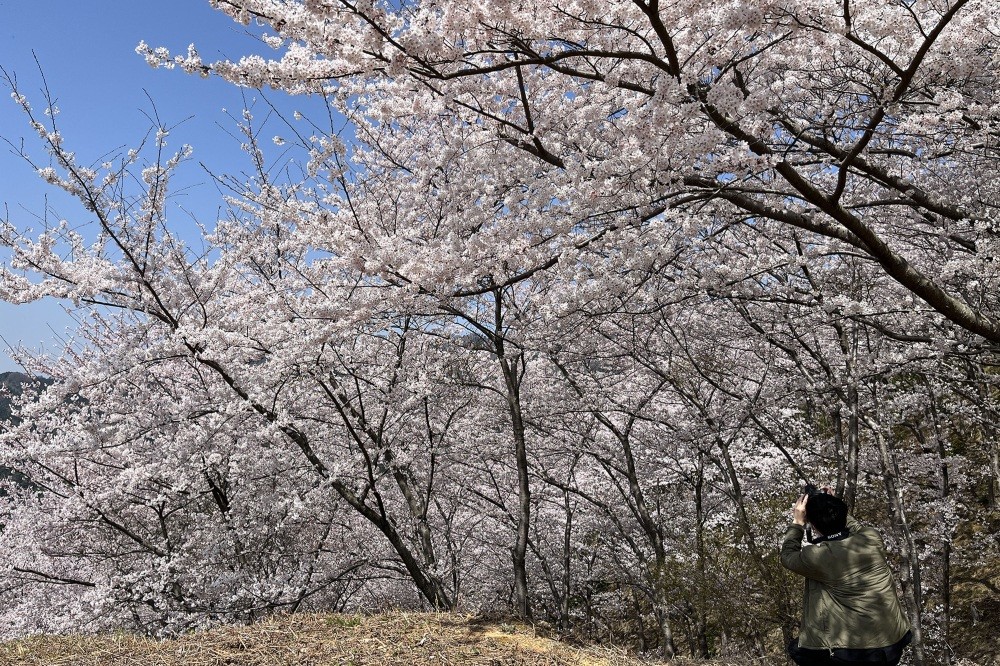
[(811, 490)]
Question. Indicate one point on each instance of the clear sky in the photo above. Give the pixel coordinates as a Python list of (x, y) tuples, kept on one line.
[(86, 50)]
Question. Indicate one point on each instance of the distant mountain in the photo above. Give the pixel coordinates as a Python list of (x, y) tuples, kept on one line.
[(12, 384)]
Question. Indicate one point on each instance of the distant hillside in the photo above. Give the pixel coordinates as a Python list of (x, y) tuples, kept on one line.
[(11, 384)]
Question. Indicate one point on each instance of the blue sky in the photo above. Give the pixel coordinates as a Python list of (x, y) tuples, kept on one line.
[(86, 50)]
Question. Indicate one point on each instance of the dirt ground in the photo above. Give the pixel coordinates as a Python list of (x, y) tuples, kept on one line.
[(407, 639)]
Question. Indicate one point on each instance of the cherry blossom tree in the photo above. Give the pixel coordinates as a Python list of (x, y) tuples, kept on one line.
[(558, 326), (852, 122)]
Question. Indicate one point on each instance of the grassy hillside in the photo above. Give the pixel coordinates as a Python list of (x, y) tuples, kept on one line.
[(417, 639)]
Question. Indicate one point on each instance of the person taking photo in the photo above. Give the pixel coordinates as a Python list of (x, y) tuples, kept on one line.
[(850, 611)]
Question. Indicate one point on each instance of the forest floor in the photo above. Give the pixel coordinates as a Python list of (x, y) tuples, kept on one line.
[(407, 639)]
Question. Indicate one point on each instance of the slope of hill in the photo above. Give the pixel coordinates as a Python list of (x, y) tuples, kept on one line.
[(407, 639), (11, 384)]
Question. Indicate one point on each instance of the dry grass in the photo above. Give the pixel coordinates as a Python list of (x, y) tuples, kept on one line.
[(408, 639)]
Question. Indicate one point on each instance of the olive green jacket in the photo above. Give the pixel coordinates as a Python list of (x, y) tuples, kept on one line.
[(850, 598)]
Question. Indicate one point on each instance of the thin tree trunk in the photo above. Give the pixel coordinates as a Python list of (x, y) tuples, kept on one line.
[(701, 610), (667, 646), (513, 374), (995, 486), (853, 444), (849, 347), (840, 451), (640, 625), (568, 562), (910, 571), (945, 493)]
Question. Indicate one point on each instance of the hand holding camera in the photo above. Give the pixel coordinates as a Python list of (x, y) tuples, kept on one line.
[(799, 508)]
